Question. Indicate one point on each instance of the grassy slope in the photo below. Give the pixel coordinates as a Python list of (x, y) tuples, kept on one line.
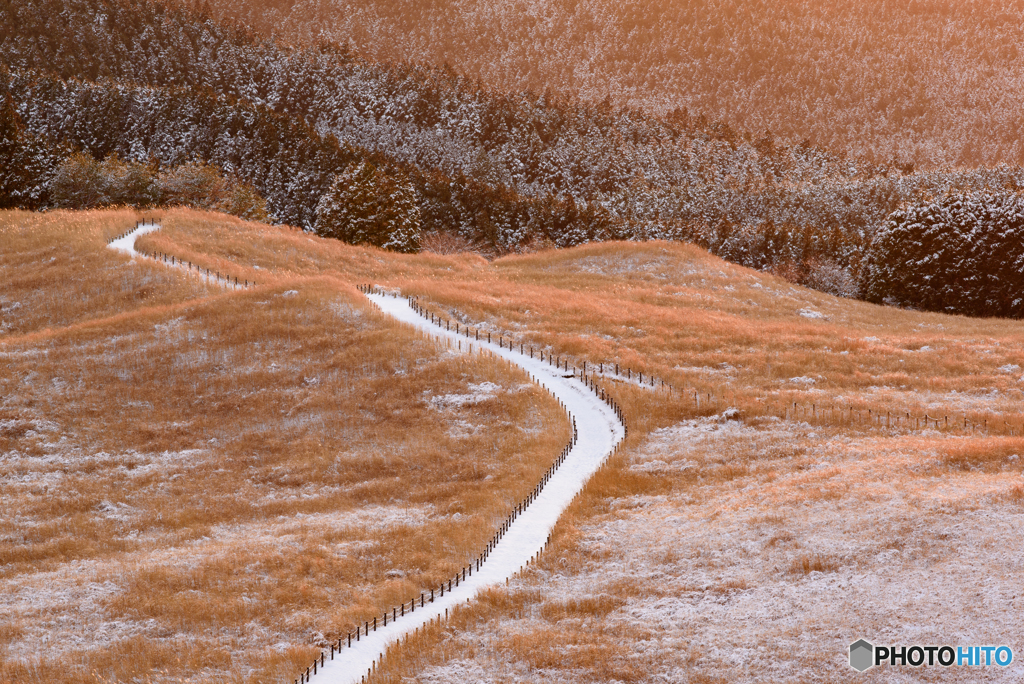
[(707, 551), (203, 485), (687, 496), (778, 517)]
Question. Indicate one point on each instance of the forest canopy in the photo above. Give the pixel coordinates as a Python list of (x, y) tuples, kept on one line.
[(133, 89)]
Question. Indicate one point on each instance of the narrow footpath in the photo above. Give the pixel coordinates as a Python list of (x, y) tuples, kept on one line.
[(598, 430)]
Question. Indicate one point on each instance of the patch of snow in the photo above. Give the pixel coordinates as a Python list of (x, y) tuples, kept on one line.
[(811, 313), (729, 414), (478, 393)]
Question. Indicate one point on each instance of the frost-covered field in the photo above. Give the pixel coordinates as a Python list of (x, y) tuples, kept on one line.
[(212, 487), (757, 549), (776, 547), (209, 487)]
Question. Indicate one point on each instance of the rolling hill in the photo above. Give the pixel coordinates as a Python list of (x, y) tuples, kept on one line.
[(284, 463)]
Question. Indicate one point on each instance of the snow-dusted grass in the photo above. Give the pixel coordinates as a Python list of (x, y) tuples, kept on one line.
[(758, 553), (708, 550), (212, 490), (67, 249), (676, 313), (597, 431)]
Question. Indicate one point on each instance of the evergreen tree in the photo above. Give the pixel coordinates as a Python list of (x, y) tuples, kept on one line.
[(12, 175), (368, 205), (27, 164), (961, 254)]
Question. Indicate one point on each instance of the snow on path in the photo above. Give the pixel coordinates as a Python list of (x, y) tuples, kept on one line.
[(127, 244), (599, 430)]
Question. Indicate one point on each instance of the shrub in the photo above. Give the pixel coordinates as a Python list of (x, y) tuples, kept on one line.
[(78, 183), (82, 182), (447, 242), (825, 275), (204, 186)]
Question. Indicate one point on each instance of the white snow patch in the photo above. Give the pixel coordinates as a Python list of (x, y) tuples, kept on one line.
[(811, 313), (478, 393)]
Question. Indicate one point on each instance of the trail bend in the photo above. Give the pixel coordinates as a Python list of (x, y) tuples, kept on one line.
[(598, 428)]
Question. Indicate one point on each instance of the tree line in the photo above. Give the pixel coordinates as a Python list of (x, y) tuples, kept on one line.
[(340, 144)]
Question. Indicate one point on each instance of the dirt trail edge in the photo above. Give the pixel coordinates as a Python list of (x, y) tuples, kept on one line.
[(599, 430)]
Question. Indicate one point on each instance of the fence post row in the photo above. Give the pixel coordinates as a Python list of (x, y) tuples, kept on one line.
[(591, 382), (517, 510), (831, 413), (231, 281)]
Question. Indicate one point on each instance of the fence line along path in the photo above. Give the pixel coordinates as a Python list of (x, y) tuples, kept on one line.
[(126, 243), (599, 430)]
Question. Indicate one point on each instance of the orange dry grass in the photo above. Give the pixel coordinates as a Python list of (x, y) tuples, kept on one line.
[(239, 471), (57, 270), (887, 508), (545, 647), (674, 312)]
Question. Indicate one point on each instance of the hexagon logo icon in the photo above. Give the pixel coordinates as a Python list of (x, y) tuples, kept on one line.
[(862, 655)]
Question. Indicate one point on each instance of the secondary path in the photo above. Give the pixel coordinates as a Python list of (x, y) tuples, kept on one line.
[(599, 430), (126, 243)]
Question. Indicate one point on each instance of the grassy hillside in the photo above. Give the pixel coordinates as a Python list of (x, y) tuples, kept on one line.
[(200, 485), (151, 87), (717, 550), (249, 493), (924, 83)]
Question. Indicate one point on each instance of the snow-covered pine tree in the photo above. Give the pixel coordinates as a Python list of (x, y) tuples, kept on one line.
[(963, 253), (369, 205), (11, 143), (27, 164)]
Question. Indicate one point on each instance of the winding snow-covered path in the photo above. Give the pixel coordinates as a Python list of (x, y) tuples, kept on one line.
[(599, 430), (126, 243)]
